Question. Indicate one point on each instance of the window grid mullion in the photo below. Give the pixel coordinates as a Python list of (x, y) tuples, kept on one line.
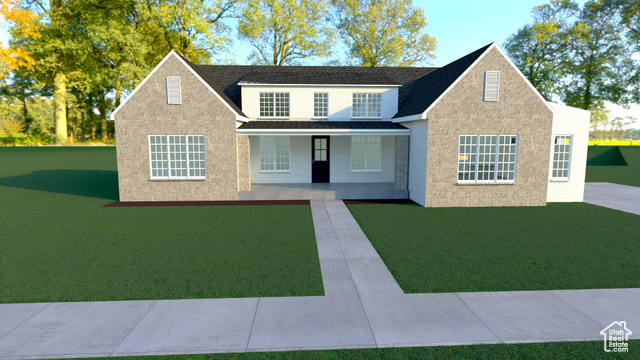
[(168, 157), (477, 149), (495, 166)]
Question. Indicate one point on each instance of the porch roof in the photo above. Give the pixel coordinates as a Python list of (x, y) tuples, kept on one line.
[(285, 127)]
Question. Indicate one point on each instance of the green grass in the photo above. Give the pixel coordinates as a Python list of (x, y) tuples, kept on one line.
[(57, 242), (607, 164), (560, 350), (559, 246)]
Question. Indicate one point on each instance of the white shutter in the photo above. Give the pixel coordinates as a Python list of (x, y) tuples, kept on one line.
[(491, 85), (174, 97)]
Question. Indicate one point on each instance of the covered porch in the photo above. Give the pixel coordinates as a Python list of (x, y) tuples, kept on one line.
[(307, 160), (323, 191)]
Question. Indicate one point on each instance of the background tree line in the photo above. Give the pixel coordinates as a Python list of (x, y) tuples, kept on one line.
[(584, 56), (76, 58)]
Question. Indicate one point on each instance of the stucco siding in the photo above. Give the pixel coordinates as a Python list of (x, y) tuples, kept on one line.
[(462, 111), (201, 113), (341, 162), (418, 160), (301, 100), (575, 122)]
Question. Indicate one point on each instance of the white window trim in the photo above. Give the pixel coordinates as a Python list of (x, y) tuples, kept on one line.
[(169, 177), (562, 178), (314, 106), (495, 168), (275, 165), (366, 106), (365, 170), (274, 105), (179, 100)]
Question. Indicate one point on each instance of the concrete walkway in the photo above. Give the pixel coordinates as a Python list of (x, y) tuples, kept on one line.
[(615, 196), (363, 306)]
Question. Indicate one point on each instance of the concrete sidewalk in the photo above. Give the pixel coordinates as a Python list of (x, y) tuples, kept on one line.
[(614, 196), (363, 306)]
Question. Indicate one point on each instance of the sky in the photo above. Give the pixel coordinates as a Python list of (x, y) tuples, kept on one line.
[(460, 27)]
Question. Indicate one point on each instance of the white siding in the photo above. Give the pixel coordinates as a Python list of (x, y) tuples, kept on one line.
[(340, 166), (418, 160), (301, 100), (299, 162), (575, 122)]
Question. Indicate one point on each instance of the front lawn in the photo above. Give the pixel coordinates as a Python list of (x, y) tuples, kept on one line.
[(559, 246), (557, 350), (58, 242), (615, 164)]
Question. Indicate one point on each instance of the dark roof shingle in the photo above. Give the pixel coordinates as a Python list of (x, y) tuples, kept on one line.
[(320, 125)]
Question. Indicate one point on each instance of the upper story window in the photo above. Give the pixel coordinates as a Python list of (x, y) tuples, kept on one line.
[(491, 85), (177, 156), (274, 105), (487, 158), (320, 105), (366, 105), (561, 157)]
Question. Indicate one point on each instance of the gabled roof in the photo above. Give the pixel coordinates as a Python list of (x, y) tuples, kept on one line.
[(423, 92)]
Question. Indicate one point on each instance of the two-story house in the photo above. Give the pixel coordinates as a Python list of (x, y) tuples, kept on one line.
[(472, 133)]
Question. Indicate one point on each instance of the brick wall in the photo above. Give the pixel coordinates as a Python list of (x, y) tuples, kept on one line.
[(462, 111), (201, 112)]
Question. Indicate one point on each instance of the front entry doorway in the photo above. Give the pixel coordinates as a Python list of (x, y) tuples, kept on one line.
[(320, 159)]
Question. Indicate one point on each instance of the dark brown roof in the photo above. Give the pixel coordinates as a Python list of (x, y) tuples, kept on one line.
[(419, 86), (320, 125)]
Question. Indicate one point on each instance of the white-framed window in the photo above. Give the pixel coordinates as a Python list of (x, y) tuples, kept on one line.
[(366, 153), (491, 85), (320, 105), (274, 105), (274, 153), (177, 157), (366, 105), (562, 157), (487, 158)]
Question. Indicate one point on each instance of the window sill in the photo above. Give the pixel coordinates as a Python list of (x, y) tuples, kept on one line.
[(366, 171), (176, 179), (473, 183), (273, 118), (274, 171), (559, 180), (366, 118)]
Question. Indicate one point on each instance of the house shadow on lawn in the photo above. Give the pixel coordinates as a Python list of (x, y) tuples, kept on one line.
[(100, 184)]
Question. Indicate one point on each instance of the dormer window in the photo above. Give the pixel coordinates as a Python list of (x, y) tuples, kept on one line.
[(274, 105), (366, 105), (174, 96), (491, 85)]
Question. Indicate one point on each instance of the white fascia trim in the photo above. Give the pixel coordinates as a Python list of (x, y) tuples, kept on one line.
[(408, 118), (552, 104), (494, 45), (252, 84), (309, 132), (238, 116)]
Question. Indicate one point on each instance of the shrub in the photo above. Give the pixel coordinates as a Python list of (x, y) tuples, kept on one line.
[(10, 126)]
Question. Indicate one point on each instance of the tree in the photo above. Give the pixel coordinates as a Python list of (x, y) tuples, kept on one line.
[(540, 49), (599, 117), (12, 58), (193, 28), (384, 32), (285, 32)]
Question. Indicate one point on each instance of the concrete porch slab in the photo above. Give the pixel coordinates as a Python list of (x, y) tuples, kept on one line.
[(13, 315), (323, 191)]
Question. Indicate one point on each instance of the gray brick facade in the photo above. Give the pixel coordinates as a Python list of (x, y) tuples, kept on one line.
[(462, 111), (201, 113)]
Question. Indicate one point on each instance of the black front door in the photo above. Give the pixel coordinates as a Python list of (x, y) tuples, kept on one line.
[(320, 159)]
